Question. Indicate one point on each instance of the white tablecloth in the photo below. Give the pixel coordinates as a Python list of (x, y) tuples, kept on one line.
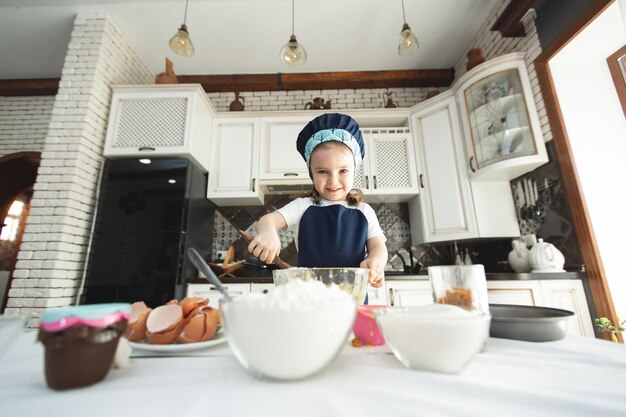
[(575, 376)]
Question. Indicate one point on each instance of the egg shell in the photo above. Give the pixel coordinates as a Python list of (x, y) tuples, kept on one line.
[(200, 328), (136, 329), (215, 312), (164, 324), (191, 306)]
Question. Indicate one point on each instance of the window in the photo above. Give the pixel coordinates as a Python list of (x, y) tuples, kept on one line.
[(12, 221)]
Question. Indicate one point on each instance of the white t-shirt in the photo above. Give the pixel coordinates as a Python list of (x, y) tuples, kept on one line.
[(293, 211)]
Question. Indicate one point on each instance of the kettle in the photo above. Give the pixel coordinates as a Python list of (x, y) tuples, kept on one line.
[(518, 257), (545, 257)]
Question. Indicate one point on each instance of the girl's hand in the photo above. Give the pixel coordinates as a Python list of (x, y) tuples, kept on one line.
[(265, 245), (377, 273)]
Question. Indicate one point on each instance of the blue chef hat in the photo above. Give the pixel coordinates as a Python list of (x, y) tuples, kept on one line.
[(327, 127)]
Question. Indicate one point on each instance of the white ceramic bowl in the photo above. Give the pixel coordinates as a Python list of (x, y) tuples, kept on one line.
[(437, 337), (291, 333)]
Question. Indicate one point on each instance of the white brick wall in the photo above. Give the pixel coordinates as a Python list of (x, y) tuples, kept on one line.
[(364, 98), (51, 259), (24, 123)]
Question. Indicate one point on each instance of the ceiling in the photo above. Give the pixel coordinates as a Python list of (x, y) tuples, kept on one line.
[(245, 36)]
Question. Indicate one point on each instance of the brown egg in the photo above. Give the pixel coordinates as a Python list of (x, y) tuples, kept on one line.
[(200, 328), (136, 329), (164, 324)]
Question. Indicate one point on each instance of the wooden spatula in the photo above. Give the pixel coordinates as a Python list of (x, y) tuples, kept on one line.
[(277, 261)]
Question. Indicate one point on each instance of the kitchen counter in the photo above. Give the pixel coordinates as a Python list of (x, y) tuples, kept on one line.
[(575, 376), (401, 276)]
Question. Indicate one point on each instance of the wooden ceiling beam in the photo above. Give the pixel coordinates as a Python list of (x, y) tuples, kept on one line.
[(270, 82), (322, 80), (509, 22), (29, 87)]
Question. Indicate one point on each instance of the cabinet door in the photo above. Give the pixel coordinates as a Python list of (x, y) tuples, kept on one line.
[(262, 288), (444, 207), (409, 293), (214, 296), (171, 120), (502, 129), (233, 174), (392, 166), (515, 292), (279, 158), (377, 296), (569, 294)]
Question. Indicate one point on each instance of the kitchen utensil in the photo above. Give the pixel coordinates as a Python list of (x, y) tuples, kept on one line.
[(350, 280), (202, 266), (227, 267), (436, 337), (365, 328), (529, 323), (277, 261)]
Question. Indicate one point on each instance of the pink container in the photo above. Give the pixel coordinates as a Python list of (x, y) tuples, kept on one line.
[(365, 327)]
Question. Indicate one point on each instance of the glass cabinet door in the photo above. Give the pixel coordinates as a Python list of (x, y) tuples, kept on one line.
[(498, 117)]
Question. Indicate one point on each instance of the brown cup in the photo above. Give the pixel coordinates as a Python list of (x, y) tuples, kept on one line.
[(81, 355)]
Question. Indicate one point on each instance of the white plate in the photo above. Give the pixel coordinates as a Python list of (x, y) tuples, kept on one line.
[(219, 338)]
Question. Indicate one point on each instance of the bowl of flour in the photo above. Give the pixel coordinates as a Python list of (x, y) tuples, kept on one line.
[(292, 332)]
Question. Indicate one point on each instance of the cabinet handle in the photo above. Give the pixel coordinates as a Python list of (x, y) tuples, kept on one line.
[(422, 180), (290, 174), (265, 291), (375, 182), (146, 148), (253, 182), (471, 164), (391, 297), (367, 181)]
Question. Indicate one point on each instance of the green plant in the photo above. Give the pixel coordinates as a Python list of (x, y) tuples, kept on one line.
[(606, 326)]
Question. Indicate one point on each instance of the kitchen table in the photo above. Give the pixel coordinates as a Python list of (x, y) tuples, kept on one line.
[(576, 376)]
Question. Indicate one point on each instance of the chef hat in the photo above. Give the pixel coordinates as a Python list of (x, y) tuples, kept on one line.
[(327, 127)]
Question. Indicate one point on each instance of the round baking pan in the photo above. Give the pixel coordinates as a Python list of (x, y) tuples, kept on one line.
[(529, 323)]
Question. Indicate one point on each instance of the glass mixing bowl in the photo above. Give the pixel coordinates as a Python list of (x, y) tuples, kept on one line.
[(351, 280)]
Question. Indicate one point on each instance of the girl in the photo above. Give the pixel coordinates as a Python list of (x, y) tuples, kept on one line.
[(333, 227)]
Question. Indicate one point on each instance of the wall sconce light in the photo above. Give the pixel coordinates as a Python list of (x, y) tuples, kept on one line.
[(293, 53), (180, 42), (408, 41)]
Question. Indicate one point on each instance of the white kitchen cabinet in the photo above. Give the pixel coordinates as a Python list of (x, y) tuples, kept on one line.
[(377, 296), (279, 159), (160, 121), (569, 294), (214, 296), (407, 293), (389, 171), (527, 293), (450, 207), (233, 169), (503, 136)]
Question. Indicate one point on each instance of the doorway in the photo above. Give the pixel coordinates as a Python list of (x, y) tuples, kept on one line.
[(18, 172)]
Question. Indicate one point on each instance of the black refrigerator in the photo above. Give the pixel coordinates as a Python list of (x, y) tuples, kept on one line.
[(148, 214)]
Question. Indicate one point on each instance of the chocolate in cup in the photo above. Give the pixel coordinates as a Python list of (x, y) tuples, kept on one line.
[(81, 353)]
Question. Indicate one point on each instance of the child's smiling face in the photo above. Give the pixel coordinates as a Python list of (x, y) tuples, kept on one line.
[(332, 168)]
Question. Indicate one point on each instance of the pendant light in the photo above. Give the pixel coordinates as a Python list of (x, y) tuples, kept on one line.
[(408, 41), (293, 53), (180, 42)]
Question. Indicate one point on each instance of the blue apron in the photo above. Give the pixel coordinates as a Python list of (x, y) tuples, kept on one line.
[(332, 236)]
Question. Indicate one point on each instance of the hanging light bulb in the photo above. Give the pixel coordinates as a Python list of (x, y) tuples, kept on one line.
[(292, 52), (408, 41), (180, 42)]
